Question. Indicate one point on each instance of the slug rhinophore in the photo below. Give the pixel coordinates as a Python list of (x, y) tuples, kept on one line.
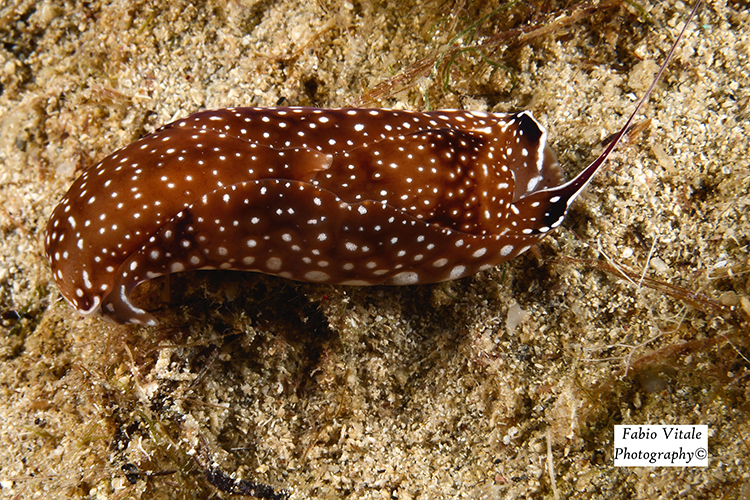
[(343, 196)]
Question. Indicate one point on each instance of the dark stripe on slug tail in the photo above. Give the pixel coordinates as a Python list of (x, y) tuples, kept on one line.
[(342, 196)]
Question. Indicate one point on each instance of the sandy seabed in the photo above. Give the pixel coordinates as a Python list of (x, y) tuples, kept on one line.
[(506, 384)]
